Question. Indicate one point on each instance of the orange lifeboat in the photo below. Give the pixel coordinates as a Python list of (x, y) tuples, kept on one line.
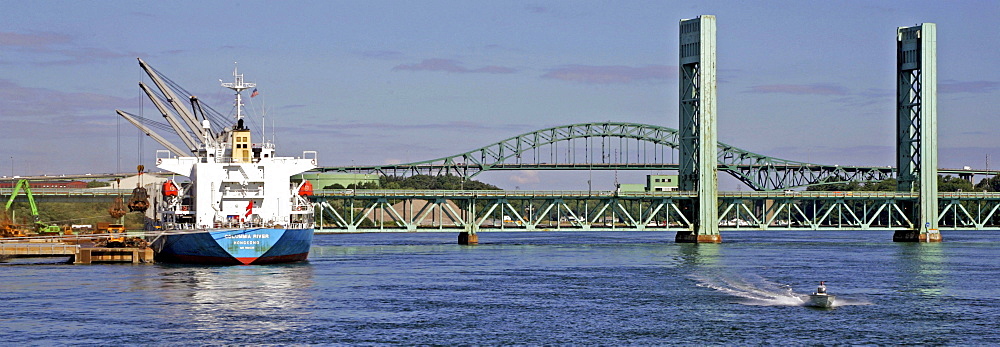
[(169, 188), (306, 189)]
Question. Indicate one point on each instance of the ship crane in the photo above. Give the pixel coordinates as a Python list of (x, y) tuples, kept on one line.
[(149, 132), (188, 117), (191, 125), (185, 136)]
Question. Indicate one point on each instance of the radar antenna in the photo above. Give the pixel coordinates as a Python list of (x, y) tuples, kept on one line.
[(238, 85)]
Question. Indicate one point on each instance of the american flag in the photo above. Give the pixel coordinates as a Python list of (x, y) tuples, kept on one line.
[(254, 93)]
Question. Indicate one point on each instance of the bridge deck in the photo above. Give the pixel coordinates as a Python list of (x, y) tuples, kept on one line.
[(422, 210)]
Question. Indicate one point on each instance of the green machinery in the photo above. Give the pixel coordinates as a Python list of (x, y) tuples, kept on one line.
[(42, 227)]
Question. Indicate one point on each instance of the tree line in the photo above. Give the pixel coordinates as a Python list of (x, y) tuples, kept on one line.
[(421, 182), (945, 184)]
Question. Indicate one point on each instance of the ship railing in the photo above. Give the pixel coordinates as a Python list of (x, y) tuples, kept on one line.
[(181, 209), (311, 155), (243, 193), (300, 225), (244, 190), (232, 160), (233, 225), (164, 154), (301, 204), (177, 226)]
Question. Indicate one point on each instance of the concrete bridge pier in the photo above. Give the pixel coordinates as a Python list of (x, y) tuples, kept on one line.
[(686, 236), (469, 236), (916, 236)]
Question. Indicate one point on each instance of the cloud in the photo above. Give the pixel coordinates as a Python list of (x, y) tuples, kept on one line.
[(494, 69), (968, 87), (362, 129), (451, 66), (611, 74), (382, 54), (525, 177), (36, 103), (48, 49), (33, 40), (445, 65), (77, 58), (456, 125), (800, 89)]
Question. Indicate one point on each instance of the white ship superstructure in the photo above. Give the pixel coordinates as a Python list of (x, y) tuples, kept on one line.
[(230, 193), (236, 182), (239, 205)]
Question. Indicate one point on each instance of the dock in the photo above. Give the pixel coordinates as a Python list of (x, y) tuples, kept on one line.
[(80, 254)]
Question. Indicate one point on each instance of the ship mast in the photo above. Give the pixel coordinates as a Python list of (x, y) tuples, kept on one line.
[(238, 85)]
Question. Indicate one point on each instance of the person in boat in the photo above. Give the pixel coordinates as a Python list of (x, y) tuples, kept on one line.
[(822, 288)]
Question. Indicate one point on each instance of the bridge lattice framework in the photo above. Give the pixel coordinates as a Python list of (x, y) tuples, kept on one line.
[(622, 146), (437, 210)]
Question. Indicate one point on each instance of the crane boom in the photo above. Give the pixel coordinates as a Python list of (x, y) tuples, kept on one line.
[(23, 184), (42, 227), (169, 146), (185, 114), (190, 142)]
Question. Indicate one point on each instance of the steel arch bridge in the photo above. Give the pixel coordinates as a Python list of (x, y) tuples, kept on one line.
[(621, 146)]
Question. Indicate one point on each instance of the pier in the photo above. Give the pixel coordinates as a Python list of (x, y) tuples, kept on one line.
[(78, 254)]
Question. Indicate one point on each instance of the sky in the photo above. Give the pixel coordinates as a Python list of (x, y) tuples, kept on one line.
[(377, 82)]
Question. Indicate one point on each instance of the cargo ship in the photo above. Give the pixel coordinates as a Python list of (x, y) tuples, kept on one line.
[(238, 204)]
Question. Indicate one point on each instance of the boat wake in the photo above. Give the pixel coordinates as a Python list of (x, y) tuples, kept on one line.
[(759, 291)]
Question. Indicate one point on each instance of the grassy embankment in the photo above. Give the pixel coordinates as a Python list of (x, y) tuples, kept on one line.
[(69, 213)]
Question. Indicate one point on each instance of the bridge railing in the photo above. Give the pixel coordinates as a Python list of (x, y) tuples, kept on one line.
[(416, 210), (608, 193), (495, 193), (817, 194)]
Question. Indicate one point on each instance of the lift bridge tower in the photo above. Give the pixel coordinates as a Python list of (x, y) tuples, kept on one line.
[(916, 128), (697, 137)]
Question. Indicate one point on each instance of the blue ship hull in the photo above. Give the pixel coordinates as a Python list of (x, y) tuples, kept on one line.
[(234, 246)]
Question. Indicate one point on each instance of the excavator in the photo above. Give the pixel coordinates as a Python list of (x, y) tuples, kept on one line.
[(42, 228)]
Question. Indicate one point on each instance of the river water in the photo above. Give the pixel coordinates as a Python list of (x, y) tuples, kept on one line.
[(553, 288)]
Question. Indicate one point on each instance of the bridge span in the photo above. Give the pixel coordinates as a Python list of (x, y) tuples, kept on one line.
[(631, 146), (483, 210), (914, 212)]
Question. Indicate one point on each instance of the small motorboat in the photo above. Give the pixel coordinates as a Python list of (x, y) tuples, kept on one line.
[(820, 298)]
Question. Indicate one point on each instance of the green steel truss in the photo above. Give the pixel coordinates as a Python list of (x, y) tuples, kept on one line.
[(403, 210), (621, 146)]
